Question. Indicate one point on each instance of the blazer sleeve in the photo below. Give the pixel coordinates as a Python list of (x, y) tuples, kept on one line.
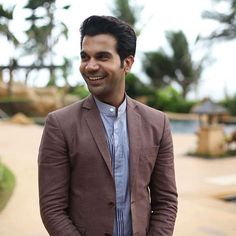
[(163, 188), (54, 180)]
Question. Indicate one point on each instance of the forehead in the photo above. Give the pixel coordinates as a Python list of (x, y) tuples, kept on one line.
[(97, 43)]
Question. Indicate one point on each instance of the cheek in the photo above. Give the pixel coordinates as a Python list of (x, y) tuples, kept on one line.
[(82, 67)]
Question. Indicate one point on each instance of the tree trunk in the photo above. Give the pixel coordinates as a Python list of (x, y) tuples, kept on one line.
[(9, 85), (1, 76)]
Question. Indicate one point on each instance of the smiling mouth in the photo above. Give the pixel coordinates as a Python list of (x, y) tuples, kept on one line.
[(95, 78)]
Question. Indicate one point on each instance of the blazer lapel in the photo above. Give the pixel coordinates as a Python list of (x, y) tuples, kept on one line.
[(134, 132), (97, 130)]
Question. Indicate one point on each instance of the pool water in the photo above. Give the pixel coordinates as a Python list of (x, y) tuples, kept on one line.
[(191, 126)]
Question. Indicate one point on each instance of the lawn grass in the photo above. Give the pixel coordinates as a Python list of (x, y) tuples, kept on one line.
[(7, 184), (228, 154)]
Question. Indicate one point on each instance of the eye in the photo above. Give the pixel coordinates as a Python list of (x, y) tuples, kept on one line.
[(103, 56), (84, 57)]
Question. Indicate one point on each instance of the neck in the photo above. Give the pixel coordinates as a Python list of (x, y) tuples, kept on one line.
[(113, 102)]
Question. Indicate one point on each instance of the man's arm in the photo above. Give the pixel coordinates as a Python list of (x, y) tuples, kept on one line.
[(163, 189), (54, 181)]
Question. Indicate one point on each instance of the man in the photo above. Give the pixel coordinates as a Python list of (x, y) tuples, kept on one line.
[(106, 163)]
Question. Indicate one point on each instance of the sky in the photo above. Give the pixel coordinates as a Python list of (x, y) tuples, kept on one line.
[(157, 17)]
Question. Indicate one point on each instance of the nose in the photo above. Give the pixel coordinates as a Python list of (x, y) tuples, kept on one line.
[(91, 65)]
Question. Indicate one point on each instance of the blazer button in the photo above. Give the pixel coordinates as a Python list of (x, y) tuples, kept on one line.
[(108, 234), (111, 204)]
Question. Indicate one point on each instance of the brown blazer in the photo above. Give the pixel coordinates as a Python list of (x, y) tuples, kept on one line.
[(76, 186)]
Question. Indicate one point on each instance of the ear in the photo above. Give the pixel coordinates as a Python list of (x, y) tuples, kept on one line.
[(128, 62)]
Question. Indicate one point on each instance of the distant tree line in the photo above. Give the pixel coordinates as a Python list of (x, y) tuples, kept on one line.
[(178, 67), (165, 68), (42, 35)]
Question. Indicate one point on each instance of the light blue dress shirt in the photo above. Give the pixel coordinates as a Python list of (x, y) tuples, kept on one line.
[(115, 124)]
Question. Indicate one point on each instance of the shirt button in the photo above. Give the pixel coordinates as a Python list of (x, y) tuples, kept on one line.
[(111, 109)]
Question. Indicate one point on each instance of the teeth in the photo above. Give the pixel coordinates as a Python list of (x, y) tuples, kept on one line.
[(95, 78)]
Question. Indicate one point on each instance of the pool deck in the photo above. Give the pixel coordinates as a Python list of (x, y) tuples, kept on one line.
[(201, 184)]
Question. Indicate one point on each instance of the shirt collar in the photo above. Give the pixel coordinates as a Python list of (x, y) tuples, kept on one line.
[(110, 110)]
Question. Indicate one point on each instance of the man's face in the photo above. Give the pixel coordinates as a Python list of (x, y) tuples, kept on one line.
[(101, 68)]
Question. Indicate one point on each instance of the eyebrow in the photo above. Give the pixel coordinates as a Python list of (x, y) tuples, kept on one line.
[(106, 53), (103, 53)]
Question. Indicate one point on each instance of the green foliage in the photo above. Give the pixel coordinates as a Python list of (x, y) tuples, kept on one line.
[(230, 104), (164, 68), (159, 67), (7, 183), (126, 11), (136, 88), (13, 99), (181, 55), (12, 105), (7, 14), (80, 90), (43, 34), (52, 79), (166, 99), (169, 99), (5, 17), (226, 20), (228, 154), (34, 4), (45, 29)]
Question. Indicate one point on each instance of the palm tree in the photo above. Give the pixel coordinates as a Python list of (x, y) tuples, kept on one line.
[(163, 69), (227, 21), (44, 33), (5, 17), (135, 87), (127, 12)]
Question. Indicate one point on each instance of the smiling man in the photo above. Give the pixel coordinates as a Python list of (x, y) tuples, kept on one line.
[(106, 164), (102, 69)]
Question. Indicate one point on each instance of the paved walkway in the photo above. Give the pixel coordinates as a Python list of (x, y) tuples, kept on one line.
[(18, 150), (200, 183)]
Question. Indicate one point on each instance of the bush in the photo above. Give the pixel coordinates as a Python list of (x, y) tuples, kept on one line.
[(7, 183), (80, 90), (230, 104), (136, 88), (169, 99), (12, 105)]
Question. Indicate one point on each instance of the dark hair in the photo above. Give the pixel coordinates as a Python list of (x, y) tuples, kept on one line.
[(120, 30)]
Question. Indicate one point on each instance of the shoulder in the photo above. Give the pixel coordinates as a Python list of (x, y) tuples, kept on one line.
[(67, 110), (72, 111), (154, 123), (146, 112)]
